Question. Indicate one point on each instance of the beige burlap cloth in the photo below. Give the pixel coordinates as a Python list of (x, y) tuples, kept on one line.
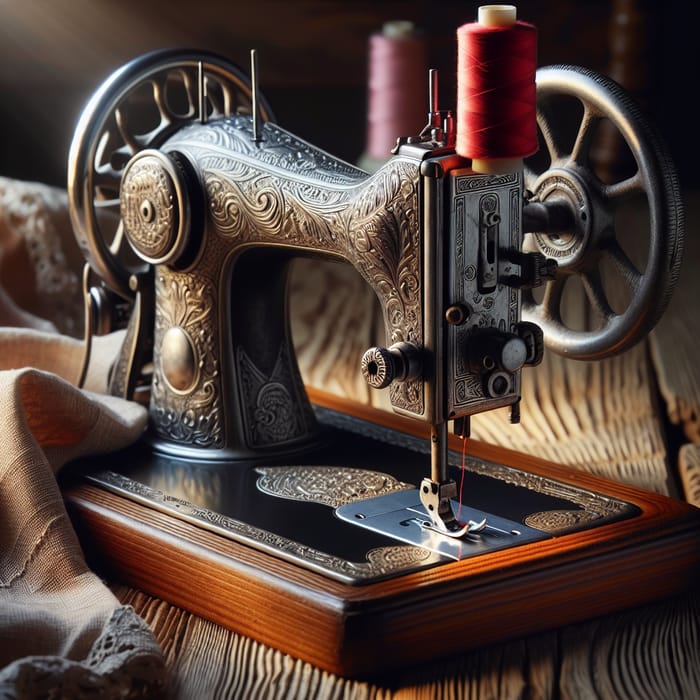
[(63, 634)]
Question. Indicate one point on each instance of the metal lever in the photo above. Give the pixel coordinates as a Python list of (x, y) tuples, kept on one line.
[(440, 127)]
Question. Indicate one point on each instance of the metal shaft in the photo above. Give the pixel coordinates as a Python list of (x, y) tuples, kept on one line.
[(438, 452), (254, 80)]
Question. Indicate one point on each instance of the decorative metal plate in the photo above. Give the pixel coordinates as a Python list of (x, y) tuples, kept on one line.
[(308, 513), (401, 515)]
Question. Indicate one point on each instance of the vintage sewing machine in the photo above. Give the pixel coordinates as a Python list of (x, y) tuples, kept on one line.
[(337, 533)]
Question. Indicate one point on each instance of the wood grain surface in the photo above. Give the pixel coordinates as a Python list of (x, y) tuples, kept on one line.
[(648, 652), (689, 467)]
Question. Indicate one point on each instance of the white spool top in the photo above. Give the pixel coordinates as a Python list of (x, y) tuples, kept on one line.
[(399, 29), (498, 15)]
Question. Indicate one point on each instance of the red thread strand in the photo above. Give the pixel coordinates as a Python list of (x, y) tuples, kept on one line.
[(496, 93), (397, 98)]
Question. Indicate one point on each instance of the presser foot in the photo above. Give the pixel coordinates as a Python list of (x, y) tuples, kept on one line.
[(456, 530), (437, 498)]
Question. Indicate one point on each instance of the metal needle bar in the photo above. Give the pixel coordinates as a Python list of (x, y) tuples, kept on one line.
[(254, 80), (438, 452)]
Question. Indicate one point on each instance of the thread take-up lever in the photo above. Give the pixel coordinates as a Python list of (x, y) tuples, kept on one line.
[(440, 127)]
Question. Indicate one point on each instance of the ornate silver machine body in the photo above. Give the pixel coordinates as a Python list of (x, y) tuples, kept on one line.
[(214, 201)]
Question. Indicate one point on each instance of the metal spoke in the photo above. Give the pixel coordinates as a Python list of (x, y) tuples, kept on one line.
[(161, 103), (627, 269), (107, 204), (595, 291), (129, 138), (110, 144), (545, 120), (625, 189), (106, 178), (219, 107), (189, 86), (584, 137), (115, 247), (551, 301)]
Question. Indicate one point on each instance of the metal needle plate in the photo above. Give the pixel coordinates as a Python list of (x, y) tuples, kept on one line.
[(401, 516)]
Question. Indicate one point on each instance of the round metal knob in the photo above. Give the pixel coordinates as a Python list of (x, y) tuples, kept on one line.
[(378, 367), (456, 314), (381, 366), (498, 384), (155, 207), (505, 352)]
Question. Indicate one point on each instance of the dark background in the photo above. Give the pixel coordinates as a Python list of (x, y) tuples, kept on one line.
[(313, 61)]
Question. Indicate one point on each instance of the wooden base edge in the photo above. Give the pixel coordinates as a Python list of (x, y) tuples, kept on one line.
[(365, 630)]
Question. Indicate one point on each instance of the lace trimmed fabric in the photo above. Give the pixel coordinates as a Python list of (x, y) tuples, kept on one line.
[(63, 633), (124, 662), (40, 263)]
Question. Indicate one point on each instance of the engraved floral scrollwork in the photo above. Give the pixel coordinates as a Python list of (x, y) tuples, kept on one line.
[(271, 413), (285, 192), (559, 520), (187, 301), (147, 209), (392, 263), (593, 505), (331, 486), (395, 559)]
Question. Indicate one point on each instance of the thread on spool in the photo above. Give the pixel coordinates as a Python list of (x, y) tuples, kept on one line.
[(496, 92), (396, 102)]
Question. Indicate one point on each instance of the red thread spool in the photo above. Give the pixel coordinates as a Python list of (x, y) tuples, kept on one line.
[(496, 92), (396, 104)]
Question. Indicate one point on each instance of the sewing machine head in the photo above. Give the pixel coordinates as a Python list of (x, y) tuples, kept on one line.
[(215, 199)]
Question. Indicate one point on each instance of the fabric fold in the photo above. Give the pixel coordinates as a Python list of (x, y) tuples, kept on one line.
[(62, 631)]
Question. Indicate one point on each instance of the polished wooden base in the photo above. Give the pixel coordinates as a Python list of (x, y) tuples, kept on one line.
[(367, 630)]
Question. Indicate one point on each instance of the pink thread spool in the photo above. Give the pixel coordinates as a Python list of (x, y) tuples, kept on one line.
[(496, 91), (396, 104)]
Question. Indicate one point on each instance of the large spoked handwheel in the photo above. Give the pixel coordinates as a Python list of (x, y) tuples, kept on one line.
[(139, 106), (617, 237)]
